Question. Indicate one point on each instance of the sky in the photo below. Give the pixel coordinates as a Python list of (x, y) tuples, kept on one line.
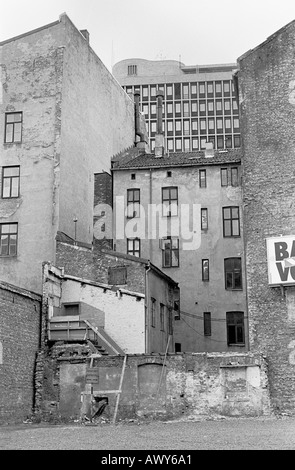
[(196, 32)]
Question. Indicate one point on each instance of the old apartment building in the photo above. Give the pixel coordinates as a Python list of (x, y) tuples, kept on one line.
[(266, 80), (62, 117), (195, 236), (200, 102)]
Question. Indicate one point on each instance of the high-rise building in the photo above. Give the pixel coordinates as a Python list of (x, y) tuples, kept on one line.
[(200, 102)]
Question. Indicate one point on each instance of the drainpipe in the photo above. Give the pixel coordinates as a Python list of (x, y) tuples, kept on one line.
[(147, 310), (150, 219), (137, 119)]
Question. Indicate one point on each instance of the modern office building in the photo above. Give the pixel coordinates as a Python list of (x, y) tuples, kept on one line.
[(200, 102)]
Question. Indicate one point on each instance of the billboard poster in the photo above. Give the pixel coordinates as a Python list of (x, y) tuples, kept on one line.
[(281, 260)]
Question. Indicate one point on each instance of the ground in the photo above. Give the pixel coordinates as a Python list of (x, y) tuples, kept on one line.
[(219, 434)]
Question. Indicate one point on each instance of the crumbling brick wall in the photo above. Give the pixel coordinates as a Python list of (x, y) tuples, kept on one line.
[(93, 264), (20, 341), (267, 105)]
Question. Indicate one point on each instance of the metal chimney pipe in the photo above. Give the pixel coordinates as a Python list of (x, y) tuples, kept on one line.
[(160, 96), (137, 116)]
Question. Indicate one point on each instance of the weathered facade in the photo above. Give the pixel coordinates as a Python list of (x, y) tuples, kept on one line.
[(266, 80), (201, 244), (188, 386), (62, 117), (20, 327)]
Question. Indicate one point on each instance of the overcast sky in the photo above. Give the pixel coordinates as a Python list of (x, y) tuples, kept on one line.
[(194, 31)]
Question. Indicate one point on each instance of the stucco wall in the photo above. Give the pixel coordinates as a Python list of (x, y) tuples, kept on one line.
[(197, 296), (124, 315)]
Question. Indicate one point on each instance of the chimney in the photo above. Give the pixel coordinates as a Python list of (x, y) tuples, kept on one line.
[(159, 140), (138, 132), (209, 151), (85, 33)]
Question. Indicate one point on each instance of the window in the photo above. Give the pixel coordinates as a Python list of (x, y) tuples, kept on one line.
[(133, 176), (170, 329), (218, 88), (220, 142), (132, 69), (133, 203), (219, 124), (177, 108), (237, 141), (234, 176), (202, 179), (186, 108), (205, 270), (71, 308), (170, 144), (227, 123), (218, 104), (133, 246), (185, 91), (169, 91), (145, 92), (194, 105), (207, 323), (169, 174), (13, 127), (169, 109), (177, 91), (169, 201), (233, 273), (226, 87), (170, 127), (202, 89), (210, 105), (170, 252), (204, 219), (228, 141), (223, 177), (194, 126), (178, 144), (202, 107), (153, 110), (8, 239), (227, 106), (231, 222), (177, 347), (153, 312), (162, 317), (10, 181), (117, 275), (145, 109), (236, 124), (195, 143), (210, 88), (235, 328), (153, 92), (186, 127), (178, 127), (211, 125), (203, 126), (186, 144), (193, 90)]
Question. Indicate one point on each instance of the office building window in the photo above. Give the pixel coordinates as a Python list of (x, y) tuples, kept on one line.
[(218, 104), (186, 127), (177, 108), (227, 106), (207, 323), (170, 252), (193, 90), (8, 239), (117, 275), (235, 328), (178, 127), (220, 142), (169, 91), (177, 91), (209, 88), (132, 69), (178, 144), (226, 87), (13, 127), (235, 106), (228, 141), (211, 125), (202, 108), (170, 201), (218, 89), (153, 127), (162, 317), (231, 221), (236, 124), (219, 124), (194, 126), (133, 203), (203, 143), (205, 270), (170, 144), (186, 108), (133, 176), (153, 110), (186, 144), (202, 178), (133, 246), (194, 107), (203, 127), (153, 312), (185, 92), (237, 141), (201, 89), (170, 127), (227, 123), (10, 181), (195, 143), (145, 109), (210, 106), (204, 219), (233, 273), (169, 109)]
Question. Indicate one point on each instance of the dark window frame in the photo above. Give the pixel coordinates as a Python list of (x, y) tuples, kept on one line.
[(162, 317), (9, 236), (202, 179), (13, 123), (235, 328), (10, 178), (170, 200), (231, 219), (132, 201), (233, 272), (170, 250), (133, 251), (204, 220), (207, 323), (205, 270)]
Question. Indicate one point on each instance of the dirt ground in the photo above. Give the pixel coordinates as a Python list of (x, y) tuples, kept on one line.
[(220, 434)]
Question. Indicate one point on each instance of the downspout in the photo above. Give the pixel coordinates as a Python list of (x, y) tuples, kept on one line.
[(147, 310), (137, 118), (150, 228)]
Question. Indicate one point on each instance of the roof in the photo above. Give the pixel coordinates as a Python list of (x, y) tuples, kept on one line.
[(180, 159), (20, 291)]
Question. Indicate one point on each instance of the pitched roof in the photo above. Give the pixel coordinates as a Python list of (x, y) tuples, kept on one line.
[(129, 161)]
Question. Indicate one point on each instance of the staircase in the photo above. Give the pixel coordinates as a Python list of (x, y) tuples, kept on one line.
[(72, 328)]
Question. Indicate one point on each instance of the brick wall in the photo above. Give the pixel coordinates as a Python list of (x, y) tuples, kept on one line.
[(191, 385), (19, 337), (267, 106), (94, 264)]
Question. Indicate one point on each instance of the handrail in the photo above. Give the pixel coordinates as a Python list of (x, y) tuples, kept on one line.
[(100, 335)]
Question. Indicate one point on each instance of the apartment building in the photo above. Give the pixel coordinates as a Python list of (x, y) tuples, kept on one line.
[(182, 211), (200, 102), (62, 117)]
